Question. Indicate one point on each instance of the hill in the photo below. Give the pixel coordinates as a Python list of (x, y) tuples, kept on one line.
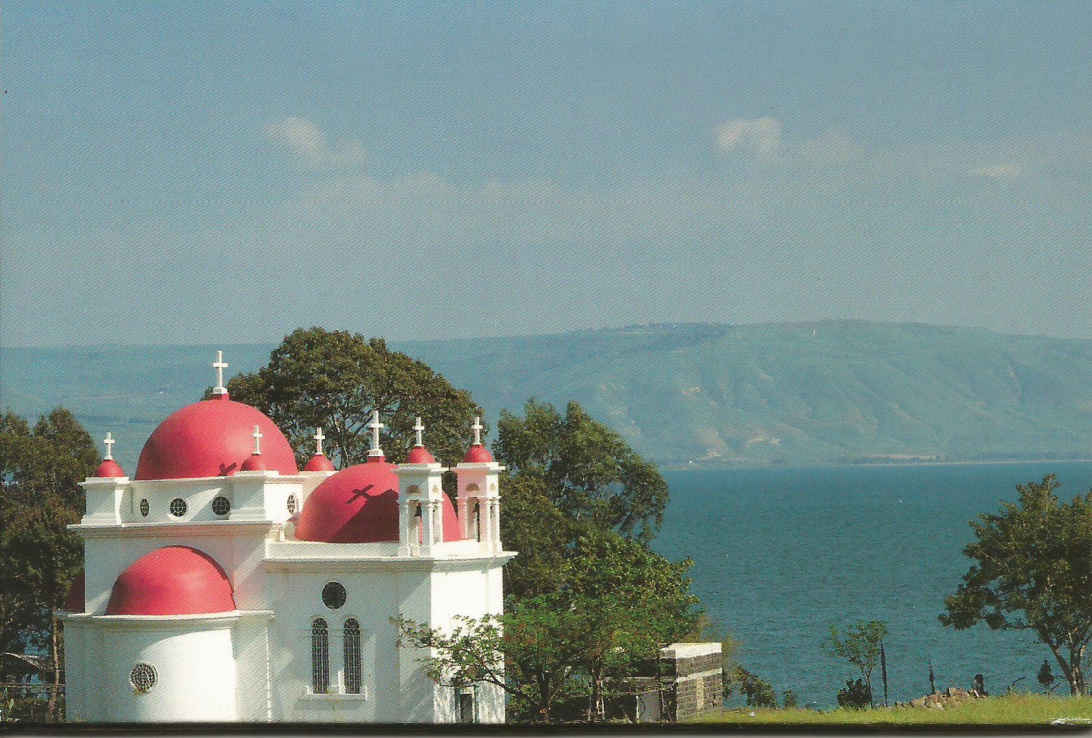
[(792, 393)]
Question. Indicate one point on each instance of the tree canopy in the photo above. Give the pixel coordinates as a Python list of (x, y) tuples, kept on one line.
[(590, 473), (40, 470), (335, 379), (861, 647), (1033, 571)]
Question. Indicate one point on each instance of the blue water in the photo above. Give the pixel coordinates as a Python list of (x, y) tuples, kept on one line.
[(780, 554)]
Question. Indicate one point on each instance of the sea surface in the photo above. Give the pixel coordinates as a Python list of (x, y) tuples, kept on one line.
[(781, 554)]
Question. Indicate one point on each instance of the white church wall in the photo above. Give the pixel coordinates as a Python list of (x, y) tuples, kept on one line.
[(194, 670), (252, 658)]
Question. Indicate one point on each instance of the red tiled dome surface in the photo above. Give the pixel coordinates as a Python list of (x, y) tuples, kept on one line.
[(477, 454), (360, 505), (319, 462), (109, 468), (175, 580), (74, 602), (212, 438), (420, 455)]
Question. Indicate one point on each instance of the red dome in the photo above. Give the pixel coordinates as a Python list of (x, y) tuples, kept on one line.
[(109, 468), (477, 454), (212, 438), (175, 580), (74, 602), (319, 462), (360, 505), (420, 455), (254, 462)]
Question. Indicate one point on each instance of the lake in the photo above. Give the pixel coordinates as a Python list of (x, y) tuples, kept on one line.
[(780, 554)]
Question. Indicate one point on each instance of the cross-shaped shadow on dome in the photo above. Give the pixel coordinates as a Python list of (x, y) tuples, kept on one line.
[(362, 492), (226, 469)]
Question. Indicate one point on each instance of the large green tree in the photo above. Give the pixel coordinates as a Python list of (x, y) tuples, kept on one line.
[(615, 603), (1033, 572), (590, 473), (335, 379), (40, 469)]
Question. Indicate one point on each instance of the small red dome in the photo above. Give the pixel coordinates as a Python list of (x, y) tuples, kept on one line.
[(74, 602), (420, 455), (360, 505), (109, 468), (319, 462), (478, 454), (212, 438), (175, 580), (254, 462)]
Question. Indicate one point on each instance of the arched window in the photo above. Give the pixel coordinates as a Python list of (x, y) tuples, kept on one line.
[(352, 656), (320, 656)]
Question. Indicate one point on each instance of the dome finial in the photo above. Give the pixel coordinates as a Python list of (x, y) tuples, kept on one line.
[(318, 441), (109, 443), (257, 435), (220, 365), (477, 428), (419, 428), (374, 427)]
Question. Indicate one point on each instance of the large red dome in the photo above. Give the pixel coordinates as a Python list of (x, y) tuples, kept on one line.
[(212, 438), (175, 580), (360, 505)]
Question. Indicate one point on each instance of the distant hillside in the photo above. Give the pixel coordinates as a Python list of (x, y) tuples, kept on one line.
[(800, 393)]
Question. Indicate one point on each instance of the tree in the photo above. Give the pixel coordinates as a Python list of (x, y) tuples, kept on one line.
[(861, 647), (1033, 572), (590, 473), (616, 604), (335, 379), (40, 469)]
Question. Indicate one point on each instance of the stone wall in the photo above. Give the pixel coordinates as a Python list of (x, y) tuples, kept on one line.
[(690, 676)]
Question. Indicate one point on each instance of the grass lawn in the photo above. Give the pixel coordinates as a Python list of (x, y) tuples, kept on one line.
[(1017, 709)]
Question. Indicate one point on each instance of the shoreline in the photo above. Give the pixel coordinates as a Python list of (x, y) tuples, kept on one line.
[(729, 467)]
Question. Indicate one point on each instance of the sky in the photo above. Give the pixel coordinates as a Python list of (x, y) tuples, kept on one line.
[(225, 173)]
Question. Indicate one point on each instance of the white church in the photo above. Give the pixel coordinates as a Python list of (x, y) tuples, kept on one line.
[(222, 583)]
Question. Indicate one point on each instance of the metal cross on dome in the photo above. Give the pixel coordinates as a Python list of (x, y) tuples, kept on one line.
[(109, 442), (220, 365), (419, 428), (257, 435), (477, 428), (318, 441), (374, 427)]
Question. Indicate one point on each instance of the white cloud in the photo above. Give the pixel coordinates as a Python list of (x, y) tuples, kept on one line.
[(307, 142), (759, 135), (997, 171), (832, 147)]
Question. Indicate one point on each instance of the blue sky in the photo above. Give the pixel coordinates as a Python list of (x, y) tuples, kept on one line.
[(186, 173)]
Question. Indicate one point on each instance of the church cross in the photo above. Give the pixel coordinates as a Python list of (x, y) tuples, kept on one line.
[(109, 441), (257, 434), (374, 427), (477, 428), (419, 429), (220, 365), (318, 441)]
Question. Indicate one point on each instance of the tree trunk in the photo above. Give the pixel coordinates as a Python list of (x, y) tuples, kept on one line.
[(51, 711)]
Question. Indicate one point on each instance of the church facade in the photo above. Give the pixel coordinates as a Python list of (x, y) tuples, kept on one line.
[(222, 583)]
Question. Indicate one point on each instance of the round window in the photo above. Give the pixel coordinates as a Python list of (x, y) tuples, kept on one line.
[(144, 507), (178, 507), (142, 677), (333, 595), (291, 503), (221, 506)]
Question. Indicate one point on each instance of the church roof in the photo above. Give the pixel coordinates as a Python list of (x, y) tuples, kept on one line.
[(477, 454), (319, 462), (109, 468), (212, 438), (360, 505), (174, 580)]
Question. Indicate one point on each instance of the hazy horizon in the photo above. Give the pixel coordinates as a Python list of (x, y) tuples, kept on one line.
[(176, 173)]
